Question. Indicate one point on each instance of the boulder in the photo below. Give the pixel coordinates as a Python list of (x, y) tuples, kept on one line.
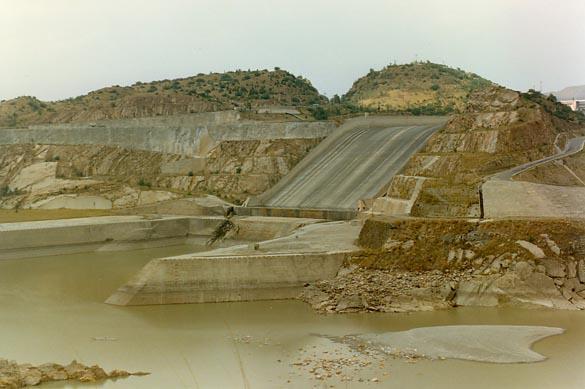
[(31, 377), (469, 254), (349, 303), (448, 291), (571, 269), (552, 245), (407, 245), (532, 248), (455, 254), (581, 270), (573, 285), (520, 287), (554, 268), (476, 292), (523, 269)]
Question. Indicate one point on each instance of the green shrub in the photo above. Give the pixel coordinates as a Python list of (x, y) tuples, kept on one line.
[(143, 182), (5, 191), (319, 113)]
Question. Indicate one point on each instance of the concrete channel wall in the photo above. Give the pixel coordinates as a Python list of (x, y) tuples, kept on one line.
[(52, 237), (201, 279), (189, 135), (326, 214), (29, 239)]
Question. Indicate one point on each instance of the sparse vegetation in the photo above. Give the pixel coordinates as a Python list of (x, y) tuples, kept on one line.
[(552, 106), (319, 113), (244, 90), (418, 88)]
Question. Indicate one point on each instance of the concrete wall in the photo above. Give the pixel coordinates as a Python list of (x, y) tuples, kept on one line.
[(326, 214), (177, 280), (189, 135), (252, 228), (30, 239)]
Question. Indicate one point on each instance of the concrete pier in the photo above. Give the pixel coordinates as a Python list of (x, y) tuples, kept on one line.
[(200, 279), (272, 269)]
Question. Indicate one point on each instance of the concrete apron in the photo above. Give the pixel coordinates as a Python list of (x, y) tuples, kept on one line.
[(201, 279)]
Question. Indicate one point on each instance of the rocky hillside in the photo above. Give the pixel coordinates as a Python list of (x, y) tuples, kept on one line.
[(201, 93), (498, 129), (40, 176), (417, 88)]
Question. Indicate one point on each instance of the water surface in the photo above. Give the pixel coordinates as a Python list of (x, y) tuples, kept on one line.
[(51, 310)]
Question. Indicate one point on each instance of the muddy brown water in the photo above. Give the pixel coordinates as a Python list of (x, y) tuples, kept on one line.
[(51, 310)]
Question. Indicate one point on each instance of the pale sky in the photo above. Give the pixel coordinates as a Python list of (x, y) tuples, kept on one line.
[(55, 49)]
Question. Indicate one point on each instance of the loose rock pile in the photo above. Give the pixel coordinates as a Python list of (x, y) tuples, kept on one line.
[(358, 289), (342, 363), (14, 375)]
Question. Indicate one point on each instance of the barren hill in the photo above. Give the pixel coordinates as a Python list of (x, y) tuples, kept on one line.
[(417, 88), (201, 93)]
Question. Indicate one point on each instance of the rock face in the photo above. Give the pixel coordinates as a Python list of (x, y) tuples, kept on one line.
[(522, 285), (14, 375), (50, 176)]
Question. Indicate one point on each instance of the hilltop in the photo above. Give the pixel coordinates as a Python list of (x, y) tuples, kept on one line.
[(416, 88), (200, 93)]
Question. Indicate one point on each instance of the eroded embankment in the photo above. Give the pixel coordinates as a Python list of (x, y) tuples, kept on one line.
[(417, 264)]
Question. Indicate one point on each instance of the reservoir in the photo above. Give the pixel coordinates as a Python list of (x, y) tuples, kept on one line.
[(52, 310)]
